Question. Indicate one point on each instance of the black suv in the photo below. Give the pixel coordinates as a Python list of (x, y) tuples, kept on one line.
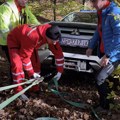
[(77, 29)]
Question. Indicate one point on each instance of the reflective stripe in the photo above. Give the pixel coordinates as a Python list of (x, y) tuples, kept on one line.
[(27, 64), (16, 74), (59, 64), (31, 31), (60, 59), (18, 80), (5, 30), (29, 69), (14, 8)]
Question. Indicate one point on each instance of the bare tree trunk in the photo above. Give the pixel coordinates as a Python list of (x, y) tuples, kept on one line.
[(54, 9), (83, 2)]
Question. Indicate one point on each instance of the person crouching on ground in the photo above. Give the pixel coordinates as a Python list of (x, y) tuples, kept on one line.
[(23, 41)]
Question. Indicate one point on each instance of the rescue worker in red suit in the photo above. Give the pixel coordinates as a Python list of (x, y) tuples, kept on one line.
[(23, 41)]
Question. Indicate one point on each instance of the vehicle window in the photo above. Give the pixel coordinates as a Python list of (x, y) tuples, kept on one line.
[(81, 17), (69, 18)]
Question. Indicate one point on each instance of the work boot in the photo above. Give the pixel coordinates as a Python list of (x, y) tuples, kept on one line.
[(103, 91), (23, 97)]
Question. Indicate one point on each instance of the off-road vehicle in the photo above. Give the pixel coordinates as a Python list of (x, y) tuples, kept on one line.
[(77, 29)]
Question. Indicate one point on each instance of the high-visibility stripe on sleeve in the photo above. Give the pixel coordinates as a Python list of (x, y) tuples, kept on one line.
[(31, 31), (61, 59), (59, 64)]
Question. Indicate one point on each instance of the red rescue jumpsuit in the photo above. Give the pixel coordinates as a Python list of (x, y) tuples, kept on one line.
[(22, 42)]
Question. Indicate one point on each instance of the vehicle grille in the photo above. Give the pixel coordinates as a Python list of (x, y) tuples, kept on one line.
[(77, 50), (83, 31)]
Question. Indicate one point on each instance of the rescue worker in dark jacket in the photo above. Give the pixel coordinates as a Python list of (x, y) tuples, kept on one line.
[(107, 35)]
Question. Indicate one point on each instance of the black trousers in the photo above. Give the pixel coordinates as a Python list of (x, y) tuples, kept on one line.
[(103, 86), (5, 49)]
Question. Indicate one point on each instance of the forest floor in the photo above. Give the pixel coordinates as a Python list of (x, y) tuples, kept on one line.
[(80, 86)]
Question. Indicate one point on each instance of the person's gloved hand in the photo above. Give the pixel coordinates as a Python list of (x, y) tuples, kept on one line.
[(36, 75), (57, 76)]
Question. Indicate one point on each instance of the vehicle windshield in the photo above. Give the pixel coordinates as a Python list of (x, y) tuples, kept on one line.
[(81, 17)]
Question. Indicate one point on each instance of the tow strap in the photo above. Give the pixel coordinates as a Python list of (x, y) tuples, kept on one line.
[(46, 118), (8, 101), (33, 82), (76, 104), (13, 86)]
